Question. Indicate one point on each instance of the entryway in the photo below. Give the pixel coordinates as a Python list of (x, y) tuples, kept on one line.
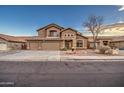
[(68, 44)]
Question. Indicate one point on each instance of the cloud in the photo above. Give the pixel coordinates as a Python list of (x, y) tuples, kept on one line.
[(120, 21), (121, 8)]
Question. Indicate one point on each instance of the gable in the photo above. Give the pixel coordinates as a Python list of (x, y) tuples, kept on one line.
[(51, 25), (53, 28), (45, 32), (69, 30)]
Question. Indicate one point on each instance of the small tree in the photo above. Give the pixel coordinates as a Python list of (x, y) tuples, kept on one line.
[(94, 25)]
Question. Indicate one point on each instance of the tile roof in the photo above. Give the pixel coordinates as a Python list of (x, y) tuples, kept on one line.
[(14, 38), (119, 38), (48, 38), (77, 32), (112, 38)]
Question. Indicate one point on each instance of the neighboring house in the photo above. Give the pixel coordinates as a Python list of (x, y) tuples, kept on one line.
[(55, 37), (111, 35), (11, 42), (117, 41), (102, 40)]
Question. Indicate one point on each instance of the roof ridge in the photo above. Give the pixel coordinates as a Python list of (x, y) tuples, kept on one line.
[(50, 25)]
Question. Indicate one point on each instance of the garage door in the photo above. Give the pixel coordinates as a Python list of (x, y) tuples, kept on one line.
[(51, 45), (3, 46), (33, 45)]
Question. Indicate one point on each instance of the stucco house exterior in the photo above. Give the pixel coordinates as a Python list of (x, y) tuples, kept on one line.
[(8, 42), (50, 37), (117, 41), (55, 37), (113, 35)]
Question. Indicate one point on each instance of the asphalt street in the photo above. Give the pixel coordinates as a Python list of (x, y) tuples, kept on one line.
[(62, 74)]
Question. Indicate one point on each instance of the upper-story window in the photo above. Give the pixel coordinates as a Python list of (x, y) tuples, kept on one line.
[(53, 33)]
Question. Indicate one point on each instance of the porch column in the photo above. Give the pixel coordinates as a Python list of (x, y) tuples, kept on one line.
[(28, 45), (39, 45), (63, 44)]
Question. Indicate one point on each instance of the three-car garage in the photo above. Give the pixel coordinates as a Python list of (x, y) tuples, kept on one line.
[(45, 45)]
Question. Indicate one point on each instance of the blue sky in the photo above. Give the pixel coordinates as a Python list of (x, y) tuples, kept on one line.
[(25, 20)]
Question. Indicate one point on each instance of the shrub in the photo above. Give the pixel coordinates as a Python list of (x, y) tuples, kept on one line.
[(105, 49), (64, 49)]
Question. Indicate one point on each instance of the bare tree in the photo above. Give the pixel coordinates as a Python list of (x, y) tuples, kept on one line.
[(94, 25)]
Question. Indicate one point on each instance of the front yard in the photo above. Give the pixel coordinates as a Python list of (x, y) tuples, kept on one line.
[(30, 55), (89, 52)]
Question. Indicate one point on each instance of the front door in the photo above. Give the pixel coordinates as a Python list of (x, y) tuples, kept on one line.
[(68, 44)]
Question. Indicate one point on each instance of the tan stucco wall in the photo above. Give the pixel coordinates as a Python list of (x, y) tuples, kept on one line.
[(72, 36), (45, 32), (14, 45), (3, 44), (85, 42), (53, 28), (42, 33), (119, 44), (68, 32)]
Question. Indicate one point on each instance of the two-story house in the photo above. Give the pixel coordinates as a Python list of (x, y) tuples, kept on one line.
[(55, 37)]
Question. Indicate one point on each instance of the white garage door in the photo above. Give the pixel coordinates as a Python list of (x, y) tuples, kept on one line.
[(3, 46)]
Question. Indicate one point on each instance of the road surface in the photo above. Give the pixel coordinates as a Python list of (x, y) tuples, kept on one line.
[(62, 74)]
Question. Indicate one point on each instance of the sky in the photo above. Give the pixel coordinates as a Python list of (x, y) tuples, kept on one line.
[(25, 20)]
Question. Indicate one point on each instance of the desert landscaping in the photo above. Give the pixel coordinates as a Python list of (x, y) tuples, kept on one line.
[(41, 56)]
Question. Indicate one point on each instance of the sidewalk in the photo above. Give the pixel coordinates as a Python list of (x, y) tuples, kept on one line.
[(92, 58)]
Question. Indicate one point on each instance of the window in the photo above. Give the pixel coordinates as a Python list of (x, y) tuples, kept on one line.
[(2, 43), (53, 33), (79, 43)]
